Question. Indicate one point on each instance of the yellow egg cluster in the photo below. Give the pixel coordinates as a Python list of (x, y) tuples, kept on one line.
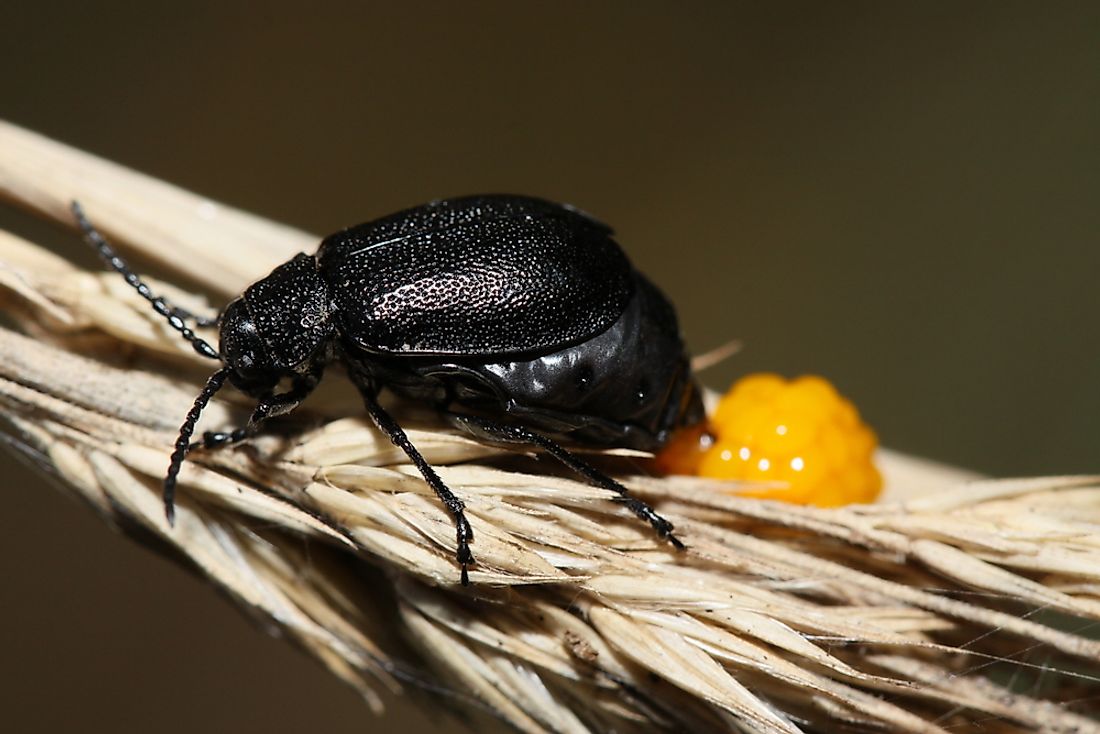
[(801, 434)]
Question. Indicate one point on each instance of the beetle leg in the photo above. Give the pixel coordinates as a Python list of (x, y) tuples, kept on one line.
[(270, 406), (175, 315), (517, 434), (454, 505)]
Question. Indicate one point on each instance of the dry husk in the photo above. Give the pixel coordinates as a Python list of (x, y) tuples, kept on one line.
[(959, 605)]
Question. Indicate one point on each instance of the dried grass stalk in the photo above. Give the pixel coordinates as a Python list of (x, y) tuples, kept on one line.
[(960, 608)]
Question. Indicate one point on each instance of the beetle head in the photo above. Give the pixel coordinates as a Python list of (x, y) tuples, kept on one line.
[(280, 327), (251, 368)]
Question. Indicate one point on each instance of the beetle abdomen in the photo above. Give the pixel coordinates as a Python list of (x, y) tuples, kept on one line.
[(629, 386), (483, 275)]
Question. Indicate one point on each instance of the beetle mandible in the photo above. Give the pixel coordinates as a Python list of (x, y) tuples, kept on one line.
[(520, 320)]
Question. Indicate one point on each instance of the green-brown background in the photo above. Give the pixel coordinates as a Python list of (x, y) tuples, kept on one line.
[(900, 197)]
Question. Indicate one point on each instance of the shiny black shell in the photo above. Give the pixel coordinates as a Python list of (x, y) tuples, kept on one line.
[(480, 275), (629, 386), (505, 306)]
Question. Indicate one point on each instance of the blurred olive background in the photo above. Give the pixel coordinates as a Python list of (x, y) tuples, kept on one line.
[(902, 197)]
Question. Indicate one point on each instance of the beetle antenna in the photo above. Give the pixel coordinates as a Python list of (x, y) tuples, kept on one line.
[(175, 316), (183, 442)]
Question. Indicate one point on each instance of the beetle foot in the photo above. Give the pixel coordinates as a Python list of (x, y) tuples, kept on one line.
[(465, 574), (663, 527), (465, 534), (465, 558)]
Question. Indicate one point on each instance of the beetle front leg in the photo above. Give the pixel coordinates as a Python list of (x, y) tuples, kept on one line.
[(454, 505), (519, 435), (266, 408), (270, 406)]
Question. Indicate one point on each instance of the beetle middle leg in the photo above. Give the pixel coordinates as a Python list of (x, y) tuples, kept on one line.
[(454, 505), (519, 435)]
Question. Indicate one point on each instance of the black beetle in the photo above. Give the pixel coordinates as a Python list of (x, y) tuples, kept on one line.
[(520, 320)]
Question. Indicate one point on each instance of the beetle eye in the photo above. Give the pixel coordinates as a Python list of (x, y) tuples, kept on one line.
[(642, 392)]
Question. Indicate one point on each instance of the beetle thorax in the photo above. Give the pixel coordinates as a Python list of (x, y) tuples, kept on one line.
[(281, 326)]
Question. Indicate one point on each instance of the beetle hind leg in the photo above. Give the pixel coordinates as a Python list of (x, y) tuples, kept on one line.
[(518, 435), (464, 533)]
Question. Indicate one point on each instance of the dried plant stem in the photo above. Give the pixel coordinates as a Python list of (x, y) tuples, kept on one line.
[(187, 233), (893, 617)]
